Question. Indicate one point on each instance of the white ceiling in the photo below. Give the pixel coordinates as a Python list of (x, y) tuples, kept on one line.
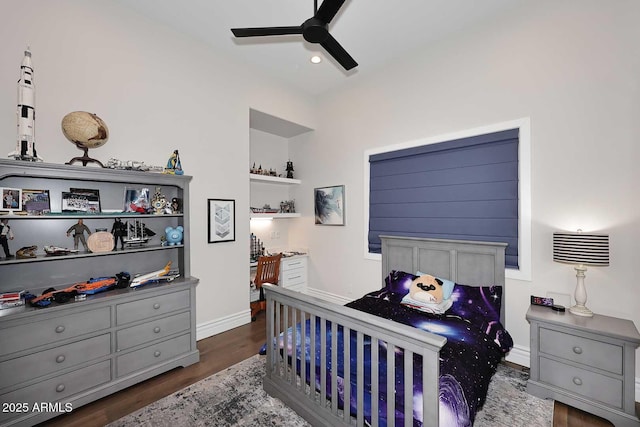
[(374, 32)]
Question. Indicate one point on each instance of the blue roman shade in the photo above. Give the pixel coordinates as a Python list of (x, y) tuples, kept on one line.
[(464, 189)]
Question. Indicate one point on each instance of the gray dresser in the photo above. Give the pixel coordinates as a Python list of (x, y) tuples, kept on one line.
[(57, 358), (585, 362)]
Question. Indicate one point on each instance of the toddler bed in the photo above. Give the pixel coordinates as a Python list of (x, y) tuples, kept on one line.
[(376, 361)]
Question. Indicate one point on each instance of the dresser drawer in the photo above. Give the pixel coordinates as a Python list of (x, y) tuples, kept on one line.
[(60, 388), (290, 264), (585, 351), (150, 307), (152, 355), (49, 330), (140, 334), (591, 385), (45, 362)]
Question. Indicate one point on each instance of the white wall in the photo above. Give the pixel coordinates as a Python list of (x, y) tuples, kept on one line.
[(573, 68), (157, 91)]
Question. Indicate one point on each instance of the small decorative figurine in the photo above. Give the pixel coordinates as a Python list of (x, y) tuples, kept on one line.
[(26, 144), (26, 252), (119, 230), (176, 205), (78, 230), (289, 169), (5, 235), (173, 164), (159, 202), (174, 235)]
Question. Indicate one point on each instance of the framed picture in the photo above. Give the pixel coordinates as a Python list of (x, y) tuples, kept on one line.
[(329, 205), (92, 195), (11, 199), (80, 203), (222, 220), (36, 202)]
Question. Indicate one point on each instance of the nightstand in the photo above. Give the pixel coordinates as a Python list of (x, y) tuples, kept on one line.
[(585, 362)]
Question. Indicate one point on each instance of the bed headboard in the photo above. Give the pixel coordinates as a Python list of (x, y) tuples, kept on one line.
[(465, 262)]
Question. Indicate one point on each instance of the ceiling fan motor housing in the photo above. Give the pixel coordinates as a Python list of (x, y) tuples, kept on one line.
[(315, 30)]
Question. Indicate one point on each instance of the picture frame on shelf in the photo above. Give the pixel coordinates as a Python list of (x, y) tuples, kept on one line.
[(329, 205), (93, 195), (221, 220), (36, 202), (11, 199), (79, 203)]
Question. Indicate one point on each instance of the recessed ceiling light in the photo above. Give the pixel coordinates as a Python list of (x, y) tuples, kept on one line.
[(315, 59)]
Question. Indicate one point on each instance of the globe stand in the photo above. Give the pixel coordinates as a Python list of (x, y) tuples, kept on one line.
[(85, 158)]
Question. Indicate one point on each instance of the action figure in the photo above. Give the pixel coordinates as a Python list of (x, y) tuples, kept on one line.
[(119, 230), (173, 164), (5, 235), (78, 234)]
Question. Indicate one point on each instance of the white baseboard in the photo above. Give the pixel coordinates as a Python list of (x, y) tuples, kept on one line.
[(223, 324), (518, 354)]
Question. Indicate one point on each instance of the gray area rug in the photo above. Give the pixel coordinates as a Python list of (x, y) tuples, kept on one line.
[(235, 397)]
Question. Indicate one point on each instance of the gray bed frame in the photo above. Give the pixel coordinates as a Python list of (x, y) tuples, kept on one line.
[(469, 263)]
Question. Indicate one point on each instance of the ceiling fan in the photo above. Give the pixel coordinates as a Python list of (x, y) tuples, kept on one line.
[(314, 30)]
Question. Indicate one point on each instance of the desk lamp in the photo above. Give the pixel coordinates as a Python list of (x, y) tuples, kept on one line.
[(581, 249)]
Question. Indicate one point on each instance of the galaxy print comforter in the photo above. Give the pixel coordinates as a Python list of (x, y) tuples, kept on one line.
[(476, 342)]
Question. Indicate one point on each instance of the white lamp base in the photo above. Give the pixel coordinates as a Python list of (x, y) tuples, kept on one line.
[(581, 294), (581, 310)]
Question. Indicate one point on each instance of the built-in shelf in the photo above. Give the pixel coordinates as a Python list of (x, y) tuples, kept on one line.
[(89, 216), (273, 179), (274, 215)]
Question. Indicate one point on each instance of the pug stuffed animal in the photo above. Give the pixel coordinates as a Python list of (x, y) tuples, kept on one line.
[(430, 294)]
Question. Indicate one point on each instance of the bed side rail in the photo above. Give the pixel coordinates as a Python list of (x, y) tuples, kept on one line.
[(313, 400)]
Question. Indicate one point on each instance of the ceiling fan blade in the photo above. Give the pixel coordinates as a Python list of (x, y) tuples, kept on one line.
[(334, 49), (266, 31), (328, 10)]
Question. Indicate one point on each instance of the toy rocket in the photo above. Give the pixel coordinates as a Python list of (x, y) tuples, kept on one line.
[(26, 145)]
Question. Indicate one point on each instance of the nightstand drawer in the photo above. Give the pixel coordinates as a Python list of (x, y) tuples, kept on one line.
[(25, 368), (592, 385), (51, 330), (159, 328), (585, 351), (150, 307)]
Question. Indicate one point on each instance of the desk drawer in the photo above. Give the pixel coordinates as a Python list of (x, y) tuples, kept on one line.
[(585, 351), (25, 368), (150, 307), (60, 388), (592, 385), (294, 277), (140, 334), (290, 264), (152, 355), (49, 330)]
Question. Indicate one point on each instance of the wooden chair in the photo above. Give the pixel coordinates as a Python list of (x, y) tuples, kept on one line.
[(268, 271)]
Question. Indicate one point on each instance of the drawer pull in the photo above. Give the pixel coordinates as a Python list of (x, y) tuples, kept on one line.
[(60, 358), (577, 350), (294, 277), (293, 264), (156, 354), (156, 306), (156, 329), (60, 388), (60, 329), (577, 381)]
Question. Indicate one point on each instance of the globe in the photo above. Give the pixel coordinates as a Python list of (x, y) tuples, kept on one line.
[(86, 130)]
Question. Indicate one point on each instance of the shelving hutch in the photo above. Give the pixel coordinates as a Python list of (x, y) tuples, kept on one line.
[(80, 351)]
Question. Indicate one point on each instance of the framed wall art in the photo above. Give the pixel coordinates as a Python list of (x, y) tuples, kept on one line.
[(221, 220), (329, 205), (11, 199)]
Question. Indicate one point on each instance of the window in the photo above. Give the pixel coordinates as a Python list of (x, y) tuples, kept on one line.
[(472, 185)]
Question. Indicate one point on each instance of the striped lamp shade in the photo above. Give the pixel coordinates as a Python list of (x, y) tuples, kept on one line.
[(581, 248)]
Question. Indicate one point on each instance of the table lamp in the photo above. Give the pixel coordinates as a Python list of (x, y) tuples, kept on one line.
[(581, 249)]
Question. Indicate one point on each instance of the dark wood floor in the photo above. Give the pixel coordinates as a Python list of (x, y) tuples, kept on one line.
[(216, 354)]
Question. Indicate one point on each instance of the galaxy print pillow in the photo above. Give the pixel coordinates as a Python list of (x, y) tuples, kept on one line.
[(398, 284), (481, 306)]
